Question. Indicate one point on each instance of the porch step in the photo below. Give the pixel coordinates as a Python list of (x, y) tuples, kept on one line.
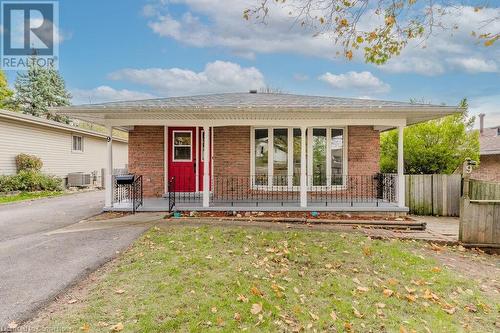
[(377, 224)]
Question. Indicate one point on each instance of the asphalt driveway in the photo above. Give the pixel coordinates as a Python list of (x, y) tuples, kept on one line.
[(37, 261)]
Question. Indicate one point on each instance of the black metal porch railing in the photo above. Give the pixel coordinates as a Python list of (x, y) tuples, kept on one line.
[(129, 194), (352, 189), (258, 191), (283, 191), (171, 194)]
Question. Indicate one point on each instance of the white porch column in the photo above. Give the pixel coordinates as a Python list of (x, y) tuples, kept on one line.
[(303, 163), (401, 177), (108, 200), (206, 166)]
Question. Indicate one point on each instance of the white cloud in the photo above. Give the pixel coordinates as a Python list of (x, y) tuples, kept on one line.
[(103, 94), (474, 65), (219, 23), (359, 81), (489, 105), (452, 49), (218, 76)]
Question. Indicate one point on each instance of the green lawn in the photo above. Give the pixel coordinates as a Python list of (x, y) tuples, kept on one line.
[(228, 279), (29, 196)]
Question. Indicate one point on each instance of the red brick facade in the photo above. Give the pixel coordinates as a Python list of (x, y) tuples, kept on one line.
[(232, 153), (363, 150), (145, 157), (489, 168)]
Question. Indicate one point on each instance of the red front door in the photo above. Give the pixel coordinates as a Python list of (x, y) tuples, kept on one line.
[(185, 155), (182, 158)]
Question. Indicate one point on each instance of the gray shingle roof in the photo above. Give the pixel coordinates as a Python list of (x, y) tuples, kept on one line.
[(490, 141), (258, 100)]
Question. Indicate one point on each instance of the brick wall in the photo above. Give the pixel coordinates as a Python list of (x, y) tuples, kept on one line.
[(489, 168), (363, 150), (232, 151), (145, 157)]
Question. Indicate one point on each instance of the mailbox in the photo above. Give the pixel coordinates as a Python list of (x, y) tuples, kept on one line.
[(125, 179)]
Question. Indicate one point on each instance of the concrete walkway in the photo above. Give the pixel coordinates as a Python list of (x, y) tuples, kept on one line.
[(439, 230), (44, 249)]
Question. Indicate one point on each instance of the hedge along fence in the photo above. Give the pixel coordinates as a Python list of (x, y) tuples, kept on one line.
[(433, 194)]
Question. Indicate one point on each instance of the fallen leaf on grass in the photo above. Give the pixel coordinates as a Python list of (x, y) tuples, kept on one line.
[(237, 316), (85, 327), (333, 315), (119, 291), (72, 301), (117, 328), (471, 308), (256, 308), (436, 269), (220, 321), (357, 313), (314, 316), (362, 289), (367, 251), (356, 280), (242, 298), (392, 281), (213, 309), (388, 292), (256, 291), (450, 310), (380, 305)]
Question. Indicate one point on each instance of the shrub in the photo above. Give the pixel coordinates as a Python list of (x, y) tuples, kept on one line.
[(9, 183), (28, 162), (30, 180)]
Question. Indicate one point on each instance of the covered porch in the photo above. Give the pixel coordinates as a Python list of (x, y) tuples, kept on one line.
[(264, 152)]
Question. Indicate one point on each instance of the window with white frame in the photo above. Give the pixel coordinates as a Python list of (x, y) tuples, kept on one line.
[(277, 156), (182, 146), (77, 143)]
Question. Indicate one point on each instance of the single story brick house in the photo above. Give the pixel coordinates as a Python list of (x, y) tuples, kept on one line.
[(265, 151)]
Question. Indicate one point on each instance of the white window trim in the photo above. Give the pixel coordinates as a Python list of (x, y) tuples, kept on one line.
[(174, 145), (290, 186), (73, 136)]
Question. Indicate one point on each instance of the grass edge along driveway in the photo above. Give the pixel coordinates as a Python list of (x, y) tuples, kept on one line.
[(24, 196), (225, 279)]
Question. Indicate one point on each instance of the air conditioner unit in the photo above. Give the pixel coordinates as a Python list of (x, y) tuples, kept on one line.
[(78, 179)]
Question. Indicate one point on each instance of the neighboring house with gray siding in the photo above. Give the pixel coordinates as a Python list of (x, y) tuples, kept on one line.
[(63, 148)]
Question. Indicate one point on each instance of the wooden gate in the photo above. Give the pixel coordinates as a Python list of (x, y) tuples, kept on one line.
[(480, 214)]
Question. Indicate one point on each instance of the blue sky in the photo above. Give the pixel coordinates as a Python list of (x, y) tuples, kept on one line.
[(131, 49)]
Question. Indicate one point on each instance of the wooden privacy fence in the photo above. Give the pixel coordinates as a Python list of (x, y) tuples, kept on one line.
[(483, 190), (433, 194), (480, 214)]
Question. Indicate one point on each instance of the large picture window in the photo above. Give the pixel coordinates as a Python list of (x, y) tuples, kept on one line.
[(277, 157)]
